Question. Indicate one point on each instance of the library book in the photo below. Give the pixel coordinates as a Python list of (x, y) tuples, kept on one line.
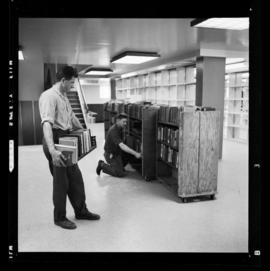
[(69, 152)]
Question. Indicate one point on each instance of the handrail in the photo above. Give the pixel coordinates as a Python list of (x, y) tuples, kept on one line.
[(83, 97), (82, 101)]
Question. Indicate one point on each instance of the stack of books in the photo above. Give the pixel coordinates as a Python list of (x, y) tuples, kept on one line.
[(174, 114), (171, 114), (135, 110), (70, 152), (207, 108), (121, 108), (126, 107), (164, 113), (168, 155), (80, 139), (168, 136), (70, 141)]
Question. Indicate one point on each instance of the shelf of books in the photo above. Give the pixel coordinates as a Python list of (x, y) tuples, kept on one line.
[(236, 107), (110, 110), (140, 132), (174, 87), (187, 150), (76, 145)]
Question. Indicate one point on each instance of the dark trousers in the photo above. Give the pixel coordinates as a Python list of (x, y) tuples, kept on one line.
[(67, 181), (116, 163)]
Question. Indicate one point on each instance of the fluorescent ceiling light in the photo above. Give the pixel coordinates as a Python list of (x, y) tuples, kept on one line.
[(134, 57), (222, 23), (98, 71), (20, 53)]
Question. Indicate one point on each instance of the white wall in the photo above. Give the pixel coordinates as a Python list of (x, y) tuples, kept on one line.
[(31, 78), (93, 93)]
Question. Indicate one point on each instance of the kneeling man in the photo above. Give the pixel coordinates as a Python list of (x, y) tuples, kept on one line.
[(117, 154)]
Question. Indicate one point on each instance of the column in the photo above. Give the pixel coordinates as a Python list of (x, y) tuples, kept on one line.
[(210, 87)]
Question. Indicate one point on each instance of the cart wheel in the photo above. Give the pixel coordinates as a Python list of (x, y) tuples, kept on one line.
[(184, 200), (212, 197)]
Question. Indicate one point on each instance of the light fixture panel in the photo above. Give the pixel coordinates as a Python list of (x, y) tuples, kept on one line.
[(20, 55), (98, 71), (131, 57), (223, 23)]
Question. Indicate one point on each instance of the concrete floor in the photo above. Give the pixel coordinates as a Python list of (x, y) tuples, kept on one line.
[(136, 216)]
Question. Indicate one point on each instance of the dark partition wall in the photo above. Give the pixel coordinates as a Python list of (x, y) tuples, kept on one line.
[(30, 130), (38, 127)]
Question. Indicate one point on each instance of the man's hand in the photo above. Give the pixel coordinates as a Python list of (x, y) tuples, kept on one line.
[(138, 155), (58, 159)]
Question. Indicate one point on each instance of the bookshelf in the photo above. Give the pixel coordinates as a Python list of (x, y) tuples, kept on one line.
[(236, 106), (179, 145), (187, 151), (174, 87), (110, 110), (141, 129)]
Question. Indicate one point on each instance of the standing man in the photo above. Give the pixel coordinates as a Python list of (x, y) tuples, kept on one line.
[(117, 154), (57, 119)]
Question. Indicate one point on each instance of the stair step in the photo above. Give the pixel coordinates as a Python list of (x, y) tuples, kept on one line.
[(73, 99), (79, 115), (78, 111), (72, 93), (75, 104)]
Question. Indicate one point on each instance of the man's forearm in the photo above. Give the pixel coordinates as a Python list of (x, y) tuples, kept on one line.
[(48, 135), (127, 149), (76, 124)]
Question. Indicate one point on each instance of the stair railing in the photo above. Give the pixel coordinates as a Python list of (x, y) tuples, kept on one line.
[(82, 100)]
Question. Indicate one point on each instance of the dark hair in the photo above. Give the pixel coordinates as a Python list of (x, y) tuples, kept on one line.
[(121, 116), (66, 72)]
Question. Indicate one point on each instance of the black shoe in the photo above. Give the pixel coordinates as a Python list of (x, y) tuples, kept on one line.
[(99, 167), (66, 224), (88, 216)]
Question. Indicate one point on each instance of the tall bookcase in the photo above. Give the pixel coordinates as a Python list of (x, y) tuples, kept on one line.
[(174, 87), (139, 134), (187, 152), (179, 145), (236, 106), (109, 113)]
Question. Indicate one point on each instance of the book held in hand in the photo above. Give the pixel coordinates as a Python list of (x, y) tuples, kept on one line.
[(70, 141), (69, 152)]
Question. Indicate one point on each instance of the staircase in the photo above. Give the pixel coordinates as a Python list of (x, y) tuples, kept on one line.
[(76, 106)]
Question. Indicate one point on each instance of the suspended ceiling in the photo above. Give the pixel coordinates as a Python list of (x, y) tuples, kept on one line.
[(93, 42)]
